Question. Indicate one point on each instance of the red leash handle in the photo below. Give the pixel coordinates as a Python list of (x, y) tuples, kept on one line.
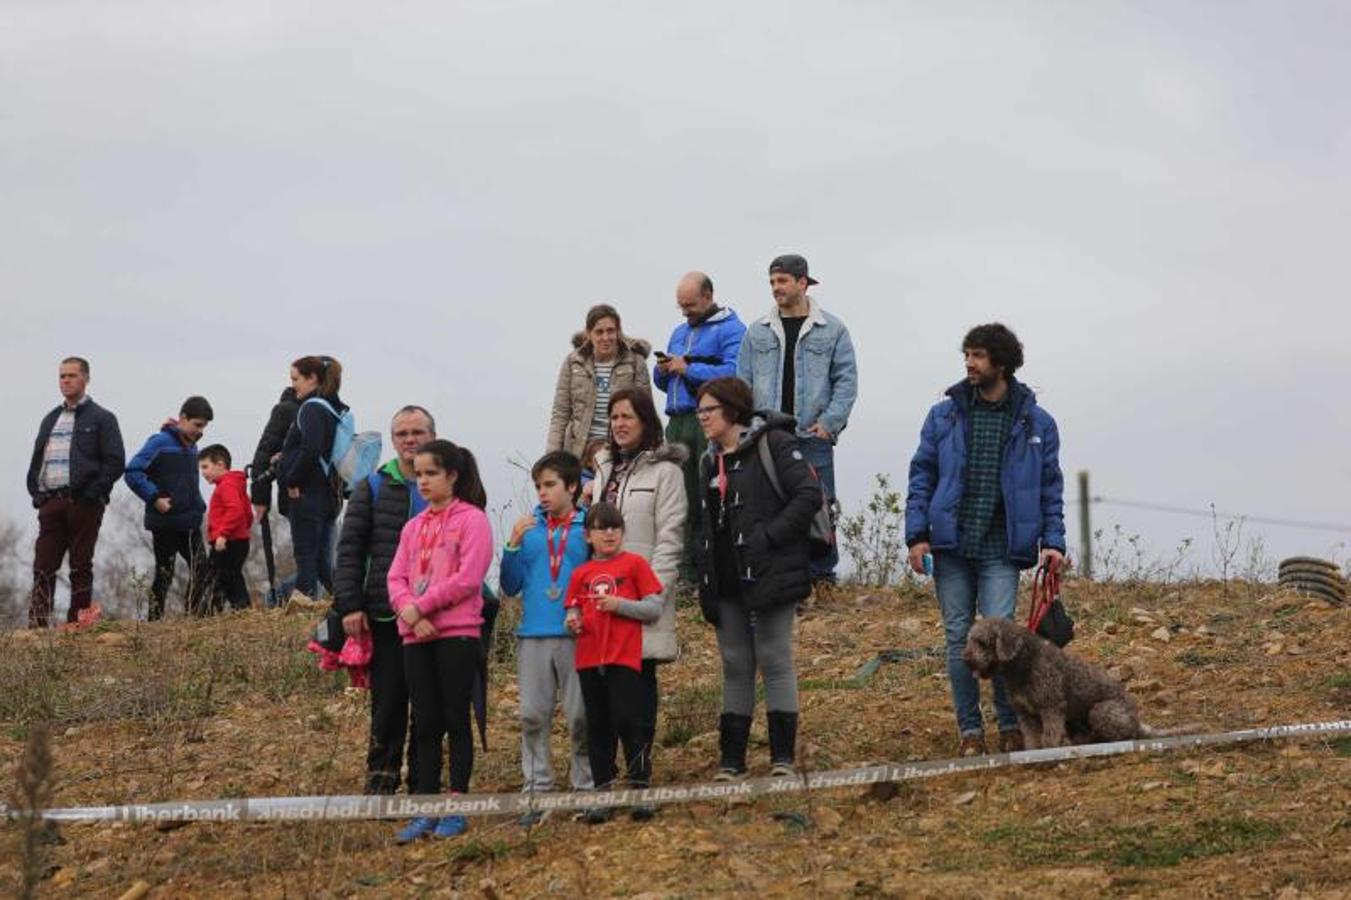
[(1045, 588)]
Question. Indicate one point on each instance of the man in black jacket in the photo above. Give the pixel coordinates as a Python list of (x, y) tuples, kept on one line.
[(379, 508), (77, 458)]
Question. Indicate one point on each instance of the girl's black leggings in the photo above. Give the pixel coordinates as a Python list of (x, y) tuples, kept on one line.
[(441, 683), (615, 704)]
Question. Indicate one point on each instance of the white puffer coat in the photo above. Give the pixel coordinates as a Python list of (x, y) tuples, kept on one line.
[(652, 498)]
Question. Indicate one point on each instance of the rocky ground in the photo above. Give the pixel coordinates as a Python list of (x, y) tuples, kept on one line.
[(234, 707)]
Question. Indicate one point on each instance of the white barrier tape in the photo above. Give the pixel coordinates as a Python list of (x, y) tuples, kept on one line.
[(358, 807)]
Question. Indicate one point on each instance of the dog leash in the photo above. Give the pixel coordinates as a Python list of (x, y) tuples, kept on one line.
[(1045, 590)]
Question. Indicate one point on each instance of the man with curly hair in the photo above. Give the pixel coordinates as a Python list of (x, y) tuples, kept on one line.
[(986, 499)]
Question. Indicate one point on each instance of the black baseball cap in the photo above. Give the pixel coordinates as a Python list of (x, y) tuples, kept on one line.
[(792, 264)]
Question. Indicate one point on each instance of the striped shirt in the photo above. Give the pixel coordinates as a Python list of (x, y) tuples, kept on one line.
[(600, 419), (55, 473)]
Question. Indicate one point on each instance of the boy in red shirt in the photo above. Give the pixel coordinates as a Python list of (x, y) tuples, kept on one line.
[(608, 600), (228, 520)]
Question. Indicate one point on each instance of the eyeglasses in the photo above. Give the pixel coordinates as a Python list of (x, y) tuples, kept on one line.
[(704, 412)]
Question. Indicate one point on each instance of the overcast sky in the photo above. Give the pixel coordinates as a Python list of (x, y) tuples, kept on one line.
[(1155, 196)]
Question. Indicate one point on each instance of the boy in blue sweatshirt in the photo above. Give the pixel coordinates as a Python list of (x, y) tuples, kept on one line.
[(537, 565), (164, 475)]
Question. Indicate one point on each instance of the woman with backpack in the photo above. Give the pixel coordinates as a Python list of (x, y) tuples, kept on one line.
[(752, 552), (641, 474), (603, 361), (305, 472)]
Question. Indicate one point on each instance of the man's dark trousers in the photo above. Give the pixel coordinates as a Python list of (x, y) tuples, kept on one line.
[(390, 715), (65, 525)]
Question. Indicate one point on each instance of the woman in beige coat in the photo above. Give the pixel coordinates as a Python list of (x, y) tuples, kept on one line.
[(641, 474), (602, 363)]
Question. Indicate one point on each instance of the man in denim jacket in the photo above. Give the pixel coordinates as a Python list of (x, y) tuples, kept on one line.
[(799, 360)]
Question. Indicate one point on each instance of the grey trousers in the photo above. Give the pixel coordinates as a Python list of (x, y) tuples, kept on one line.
[(749, 641), (546, 667)]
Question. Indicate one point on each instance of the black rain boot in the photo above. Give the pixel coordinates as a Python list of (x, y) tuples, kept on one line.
[(782, 742), (734, 732)]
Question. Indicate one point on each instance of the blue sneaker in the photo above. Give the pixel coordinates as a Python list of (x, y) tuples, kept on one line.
[(450, 826), (417, 828)]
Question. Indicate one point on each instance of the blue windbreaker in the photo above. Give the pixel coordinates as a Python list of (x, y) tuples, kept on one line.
[(1029, 475), (711, 347)]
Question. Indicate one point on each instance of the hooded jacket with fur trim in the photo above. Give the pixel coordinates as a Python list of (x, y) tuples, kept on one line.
[(575, 394)]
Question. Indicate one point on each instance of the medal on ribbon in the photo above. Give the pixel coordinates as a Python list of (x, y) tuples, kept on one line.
[(556, 556), (427, 541)]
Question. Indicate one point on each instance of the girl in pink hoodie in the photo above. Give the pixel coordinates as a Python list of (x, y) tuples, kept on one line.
[(435, 586)]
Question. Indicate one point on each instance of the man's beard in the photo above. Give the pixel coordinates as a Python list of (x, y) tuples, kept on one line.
[(983, 382)]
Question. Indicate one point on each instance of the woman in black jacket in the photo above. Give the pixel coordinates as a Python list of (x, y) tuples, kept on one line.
[(304, 471), (279, 423), (752, 555)]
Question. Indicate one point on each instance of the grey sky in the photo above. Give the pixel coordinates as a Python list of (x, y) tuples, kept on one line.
[(1154, 195)]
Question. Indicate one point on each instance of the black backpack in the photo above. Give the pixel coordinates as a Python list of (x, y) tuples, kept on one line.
[(821, 534)]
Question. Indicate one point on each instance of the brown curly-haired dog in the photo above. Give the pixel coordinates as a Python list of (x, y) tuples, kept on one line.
[(1059, 698)]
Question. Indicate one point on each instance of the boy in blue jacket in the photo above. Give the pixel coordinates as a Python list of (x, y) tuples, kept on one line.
[(986, 497), (164, 474), (537, 565)]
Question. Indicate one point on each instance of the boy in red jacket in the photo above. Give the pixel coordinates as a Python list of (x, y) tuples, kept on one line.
[(228, 520)]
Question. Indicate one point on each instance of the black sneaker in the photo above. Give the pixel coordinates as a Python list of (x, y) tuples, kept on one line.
[(598, 815), (531, 818), (643, 812)]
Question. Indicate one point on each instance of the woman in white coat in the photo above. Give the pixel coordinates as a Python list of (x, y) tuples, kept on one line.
[(641, 474)]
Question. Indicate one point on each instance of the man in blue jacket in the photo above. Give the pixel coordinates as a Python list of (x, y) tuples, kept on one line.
[(164, 475), (701, 348), (986, 499), (799, 360)]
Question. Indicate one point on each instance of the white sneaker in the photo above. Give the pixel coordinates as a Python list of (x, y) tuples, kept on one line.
[(304, 603)]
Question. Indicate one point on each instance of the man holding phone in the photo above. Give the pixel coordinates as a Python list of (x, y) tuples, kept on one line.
[(701, 348)]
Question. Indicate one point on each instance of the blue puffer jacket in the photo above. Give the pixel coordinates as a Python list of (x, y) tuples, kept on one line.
[(1030, 476), (167, 467), (710, 346)]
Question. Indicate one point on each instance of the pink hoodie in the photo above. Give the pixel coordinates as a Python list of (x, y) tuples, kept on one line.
[(459, 560)]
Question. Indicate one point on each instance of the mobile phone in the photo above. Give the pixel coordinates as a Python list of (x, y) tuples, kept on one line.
[(660, 355)]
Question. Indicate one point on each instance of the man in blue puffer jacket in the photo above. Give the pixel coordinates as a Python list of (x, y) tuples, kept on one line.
[(164, 474), (701, 348), (986, 497)]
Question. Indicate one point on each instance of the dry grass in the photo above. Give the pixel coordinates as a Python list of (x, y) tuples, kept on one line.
[(234, 706)]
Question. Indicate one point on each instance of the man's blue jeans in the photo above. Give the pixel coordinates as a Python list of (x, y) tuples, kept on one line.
[(821, 455), (963, 587)]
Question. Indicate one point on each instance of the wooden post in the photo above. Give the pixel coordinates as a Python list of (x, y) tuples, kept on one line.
[(1085, 528)]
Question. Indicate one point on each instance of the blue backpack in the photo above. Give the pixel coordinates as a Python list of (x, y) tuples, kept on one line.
[(355, 455)]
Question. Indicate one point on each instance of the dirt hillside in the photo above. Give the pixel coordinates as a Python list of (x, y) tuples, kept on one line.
[(233, 706)]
